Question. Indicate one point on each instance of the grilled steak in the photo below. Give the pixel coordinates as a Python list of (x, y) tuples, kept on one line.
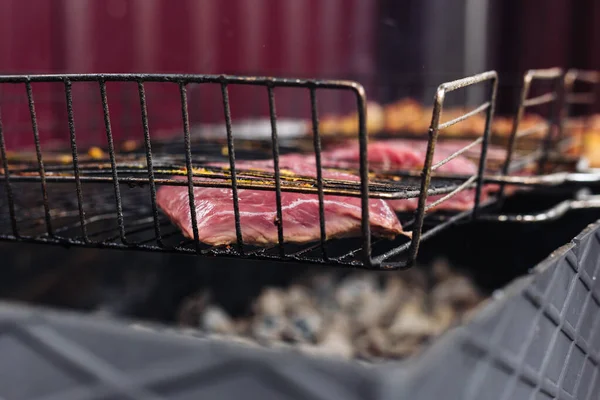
[(258, 217)]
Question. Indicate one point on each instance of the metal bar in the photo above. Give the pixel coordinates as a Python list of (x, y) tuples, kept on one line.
[(587, 98), (361, 103), (185, 78), (441, 92), (426, 175), (69, 98), (9, 190), (463, 117), (592, 77), (534, 129), (456, 154), (554, 123), (317, 147), (554, 179), (486, 140), (464, 185), (148, 150), (581, 98), (275, 143), (541, 99), (553, 213), (225, 184), (464, 82), (513, 135), (524, 102), (113, 163), (188, 162), (545, 74), (524, 161), (40, 160), (231, 154), (426, 235)]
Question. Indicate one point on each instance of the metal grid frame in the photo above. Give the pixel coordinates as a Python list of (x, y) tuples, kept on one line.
[(364, 189), (573, 98), (563, 98), (553, 97)]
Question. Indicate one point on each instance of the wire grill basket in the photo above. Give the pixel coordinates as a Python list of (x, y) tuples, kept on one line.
[(132, 218)]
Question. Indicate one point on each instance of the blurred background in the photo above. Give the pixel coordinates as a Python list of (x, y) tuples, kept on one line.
[(395, 48)]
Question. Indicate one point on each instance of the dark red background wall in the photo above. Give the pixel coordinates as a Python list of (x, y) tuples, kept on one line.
[(304, 38), (308, 38)]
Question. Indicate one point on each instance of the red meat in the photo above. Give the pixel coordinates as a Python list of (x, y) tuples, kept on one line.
[(410, 155), (215, 214)]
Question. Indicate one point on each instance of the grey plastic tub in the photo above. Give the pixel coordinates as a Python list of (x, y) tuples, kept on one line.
[(537, 338)]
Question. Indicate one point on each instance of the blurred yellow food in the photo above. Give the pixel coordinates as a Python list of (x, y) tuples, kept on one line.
[(375, 118), (129, 145), (591, 148), (402, 116), (502, 126), (328, 125), (348, 125), (96, 153), (591, 141), (529, 121)]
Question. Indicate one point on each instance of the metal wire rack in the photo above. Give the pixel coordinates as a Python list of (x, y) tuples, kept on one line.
[(547, 128), (87, 216), (574, 99)]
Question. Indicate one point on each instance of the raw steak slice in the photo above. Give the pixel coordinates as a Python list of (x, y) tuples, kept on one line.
[(409, 155), (397, 155), (215, 214)]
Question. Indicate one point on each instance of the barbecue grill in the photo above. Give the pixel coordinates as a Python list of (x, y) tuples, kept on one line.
[(107, 199)]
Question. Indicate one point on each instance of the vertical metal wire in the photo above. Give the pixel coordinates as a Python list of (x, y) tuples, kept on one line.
[(569, 99), (553, 125), (361, 104), (40, 160), (568, 85), (188, 162), (148, 150), (513, 134), (231, 154), (113, 162), (317, 146), (426, 175), (275, 143), (9, 191), (76, 172), (484, 145)]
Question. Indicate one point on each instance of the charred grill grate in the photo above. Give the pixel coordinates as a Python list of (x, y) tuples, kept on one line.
[(152, 171), (129, 218)]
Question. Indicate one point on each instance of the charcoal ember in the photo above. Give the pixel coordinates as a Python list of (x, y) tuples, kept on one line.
[(405, 347), (336, 341), (215, 320), (444, 316), (412, 320), (458, 291), (354, 290), (305, 324), (374, 343), (270, 322), (395, 292), (192, 308), (271, 302), (360, 315)]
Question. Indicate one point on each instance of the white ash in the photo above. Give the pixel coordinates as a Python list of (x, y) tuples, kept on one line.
[(364, 315)]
